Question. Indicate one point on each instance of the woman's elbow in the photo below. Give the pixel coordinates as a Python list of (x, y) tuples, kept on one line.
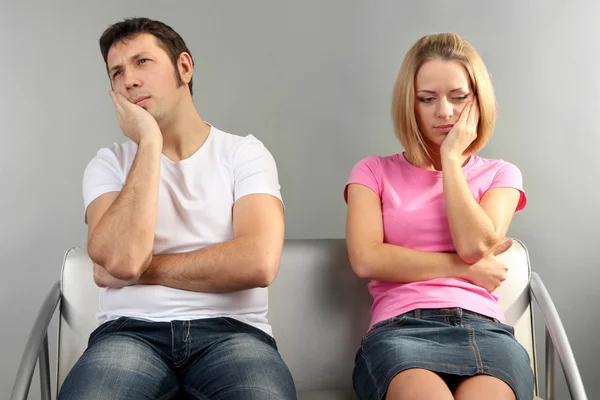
[(471, 256), (360, 265), (362, 271), (472, 252), (363, 258)]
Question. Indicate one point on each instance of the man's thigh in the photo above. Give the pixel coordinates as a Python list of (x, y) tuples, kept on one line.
[(119, 366), (243, 364)]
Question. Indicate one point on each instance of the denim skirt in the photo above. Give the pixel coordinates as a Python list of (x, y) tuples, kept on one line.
[(455, 343)]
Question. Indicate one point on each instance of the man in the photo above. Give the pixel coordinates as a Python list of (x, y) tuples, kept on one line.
[(186, 230)]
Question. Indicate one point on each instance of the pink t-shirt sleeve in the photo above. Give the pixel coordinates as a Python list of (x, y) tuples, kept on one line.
[(509, 176), (365, 172)]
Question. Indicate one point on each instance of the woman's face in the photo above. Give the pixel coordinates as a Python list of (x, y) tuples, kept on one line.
[(442, 89)]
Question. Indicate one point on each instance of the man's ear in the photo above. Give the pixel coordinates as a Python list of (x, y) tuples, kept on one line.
[(186, 67)]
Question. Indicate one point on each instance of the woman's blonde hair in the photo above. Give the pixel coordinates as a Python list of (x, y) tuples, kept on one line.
[(446, 47)]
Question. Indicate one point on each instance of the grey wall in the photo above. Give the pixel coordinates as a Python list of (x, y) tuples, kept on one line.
[(313, 80)]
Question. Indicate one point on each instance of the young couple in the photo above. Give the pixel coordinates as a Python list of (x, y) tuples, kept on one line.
[(186, 229)]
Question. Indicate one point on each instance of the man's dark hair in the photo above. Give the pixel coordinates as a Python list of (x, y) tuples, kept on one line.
[(168, 39)]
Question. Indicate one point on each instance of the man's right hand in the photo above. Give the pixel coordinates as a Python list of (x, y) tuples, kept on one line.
[(136, 123), (489, 272)]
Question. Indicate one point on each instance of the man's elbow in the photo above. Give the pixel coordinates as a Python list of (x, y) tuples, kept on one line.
[(125, 260), (126, 271), (125, 268), (266, 271)]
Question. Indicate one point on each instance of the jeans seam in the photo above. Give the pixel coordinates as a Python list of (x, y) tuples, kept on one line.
[(476, 353), (184, 359), (434, 363), (411, 362), (479, 318), (186, 340), (366, 361), (436, 315), (508, 377)]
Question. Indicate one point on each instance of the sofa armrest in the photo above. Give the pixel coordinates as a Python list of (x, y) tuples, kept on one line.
[(37, 348), (556, 338)]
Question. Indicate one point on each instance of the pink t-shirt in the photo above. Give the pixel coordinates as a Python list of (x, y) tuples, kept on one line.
[(414, 216)]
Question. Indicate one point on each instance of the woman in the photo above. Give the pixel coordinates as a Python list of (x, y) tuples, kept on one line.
[(424, 227)]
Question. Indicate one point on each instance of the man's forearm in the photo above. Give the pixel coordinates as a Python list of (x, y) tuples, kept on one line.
[(473, 231), (224, 267), (123, 238)]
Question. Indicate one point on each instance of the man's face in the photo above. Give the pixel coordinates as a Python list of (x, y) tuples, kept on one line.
[(142, 71)]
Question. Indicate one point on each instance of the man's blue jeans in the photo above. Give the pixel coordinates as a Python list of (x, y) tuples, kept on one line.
[(216, 359)]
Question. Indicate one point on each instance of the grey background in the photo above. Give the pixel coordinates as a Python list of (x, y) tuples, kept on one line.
[(313, 81)]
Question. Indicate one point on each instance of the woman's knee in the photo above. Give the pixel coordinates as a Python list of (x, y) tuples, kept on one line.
[(483, 387), (416, 384)]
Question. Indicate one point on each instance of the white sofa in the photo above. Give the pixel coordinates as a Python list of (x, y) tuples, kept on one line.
[(319, 311)]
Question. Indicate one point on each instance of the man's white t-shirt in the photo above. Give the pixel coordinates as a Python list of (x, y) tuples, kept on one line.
[(195, 202)]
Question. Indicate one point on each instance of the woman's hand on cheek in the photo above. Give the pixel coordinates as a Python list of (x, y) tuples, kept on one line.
[(462, 134)]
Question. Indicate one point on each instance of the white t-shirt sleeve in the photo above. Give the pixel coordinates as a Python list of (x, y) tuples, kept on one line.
[(102, 175), (255, 171)]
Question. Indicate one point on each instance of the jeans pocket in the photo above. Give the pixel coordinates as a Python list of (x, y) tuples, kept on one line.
[(243, 327), (494, 325), (107, 328), (384, 325), (509, 328)]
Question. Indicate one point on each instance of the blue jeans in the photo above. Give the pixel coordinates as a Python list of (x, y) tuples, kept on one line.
[(455, 343), (216, 358)]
